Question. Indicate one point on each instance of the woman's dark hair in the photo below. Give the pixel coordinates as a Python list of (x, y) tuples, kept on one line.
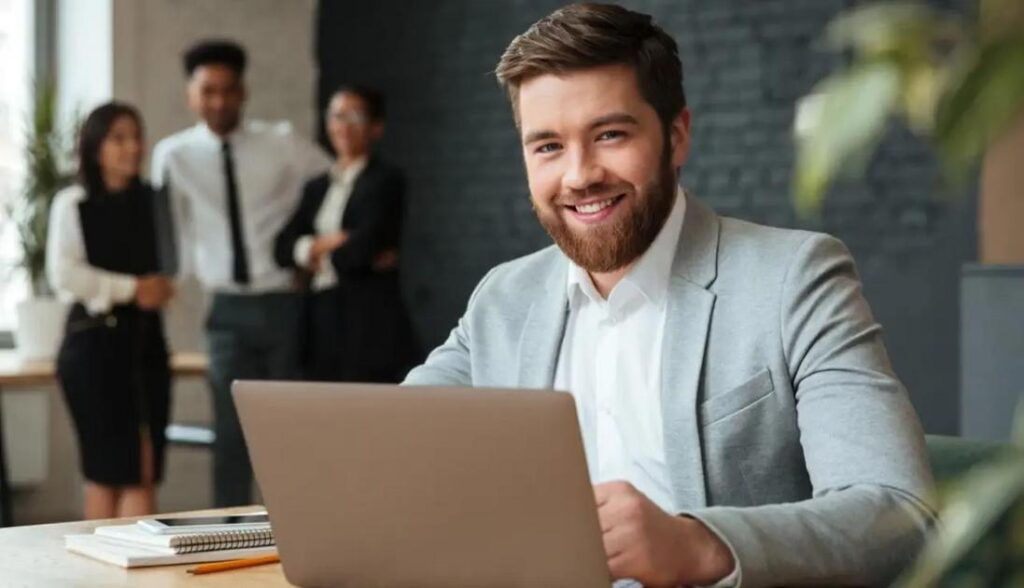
[(371, 97), (91, 136)]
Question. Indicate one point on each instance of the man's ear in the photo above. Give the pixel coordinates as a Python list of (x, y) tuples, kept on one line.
[(679, 137)]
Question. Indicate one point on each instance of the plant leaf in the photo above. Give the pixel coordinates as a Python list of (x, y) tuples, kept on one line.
[(889, 28), (983, 100), (975, 504), (852, 111), (998, 18)]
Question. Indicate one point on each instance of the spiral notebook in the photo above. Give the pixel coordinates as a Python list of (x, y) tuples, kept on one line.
[(177, 543), (130, 546)]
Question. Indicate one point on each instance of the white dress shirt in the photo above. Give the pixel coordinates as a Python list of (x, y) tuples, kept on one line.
[(610, 360), (328, 221), (272, 163), (67, 268)]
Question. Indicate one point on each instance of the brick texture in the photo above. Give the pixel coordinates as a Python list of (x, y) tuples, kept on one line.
[(746, 62)]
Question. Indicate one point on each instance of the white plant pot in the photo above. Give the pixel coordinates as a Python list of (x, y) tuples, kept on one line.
[(40, 327)]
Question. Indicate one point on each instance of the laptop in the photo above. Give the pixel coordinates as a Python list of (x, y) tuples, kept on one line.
[(381, 485)]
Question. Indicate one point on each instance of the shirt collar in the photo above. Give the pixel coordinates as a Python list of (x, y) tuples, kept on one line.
[(649, 276), (350, 172), (232, 137)]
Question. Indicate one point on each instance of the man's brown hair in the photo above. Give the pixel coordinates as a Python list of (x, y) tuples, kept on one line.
[(580, 36)]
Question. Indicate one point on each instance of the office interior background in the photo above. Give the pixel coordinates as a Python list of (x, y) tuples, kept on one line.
[(746, 63)]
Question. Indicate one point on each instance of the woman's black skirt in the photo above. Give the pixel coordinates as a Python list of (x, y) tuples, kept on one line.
[(114, 371)]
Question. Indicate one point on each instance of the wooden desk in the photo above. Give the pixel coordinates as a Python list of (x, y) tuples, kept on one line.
[(16, 372), (35, 556)]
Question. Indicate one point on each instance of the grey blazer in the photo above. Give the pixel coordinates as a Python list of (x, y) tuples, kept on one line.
[(786, 430)]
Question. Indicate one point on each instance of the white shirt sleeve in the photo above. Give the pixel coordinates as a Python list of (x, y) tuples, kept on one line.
[(300, 253), (69, 272)]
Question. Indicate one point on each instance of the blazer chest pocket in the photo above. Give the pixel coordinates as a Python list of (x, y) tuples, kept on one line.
[(721, 406)]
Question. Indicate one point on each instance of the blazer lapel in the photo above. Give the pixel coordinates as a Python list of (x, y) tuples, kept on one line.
[(359, 188), (543, 330), (690, 305)]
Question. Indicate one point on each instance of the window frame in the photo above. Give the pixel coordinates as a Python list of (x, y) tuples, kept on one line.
[(43, 66)]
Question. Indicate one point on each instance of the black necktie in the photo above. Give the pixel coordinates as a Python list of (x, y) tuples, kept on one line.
[(240, 263)]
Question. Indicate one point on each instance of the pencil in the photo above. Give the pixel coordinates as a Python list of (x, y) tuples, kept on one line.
[(234, 564)]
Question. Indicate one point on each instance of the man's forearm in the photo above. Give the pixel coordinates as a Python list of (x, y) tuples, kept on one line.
[(862, 535)]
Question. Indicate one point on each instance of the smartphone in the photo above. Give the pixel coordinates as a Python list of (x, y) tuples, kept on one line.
[(205, 524)]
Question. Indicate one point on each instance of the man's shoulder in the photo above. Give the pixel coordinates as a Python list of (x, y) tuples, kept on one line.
[(749, 252), (269, 128), (742, 233), (280, 134), (176, 142), (741, 238), (519, 281), (178, 139)]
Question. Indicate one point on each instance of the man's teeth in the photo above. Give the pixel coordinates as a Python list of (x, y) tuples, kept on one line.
[(592, 207)]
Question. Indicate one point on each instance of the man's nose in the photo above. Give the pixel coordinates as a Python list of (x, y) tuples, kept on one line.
[(582, 171)]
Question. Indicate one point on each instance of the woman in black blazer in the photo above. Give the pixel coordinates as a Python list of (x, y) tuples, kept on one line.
[(345, 234)]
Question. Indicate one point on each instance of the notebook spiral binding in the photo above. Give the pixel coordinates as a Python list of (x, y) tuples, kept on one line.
[(236, 539)]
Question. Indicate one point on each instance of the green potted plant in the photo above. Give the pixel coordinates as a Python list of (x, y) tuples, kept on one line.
[(957, 81), (41, 316), (980, 539)]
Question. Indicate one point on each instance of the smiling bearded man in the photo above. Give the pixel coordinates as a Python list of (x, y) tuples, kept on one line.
[(740, 419), (606, 247)]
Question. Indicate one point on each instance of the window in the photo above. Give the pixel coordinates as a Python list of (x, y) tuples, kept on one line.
[(16, 71)]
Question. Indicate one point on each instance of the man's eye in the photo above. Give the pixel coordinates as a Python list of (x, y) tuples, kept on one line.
[(548, 148), (608, 135)]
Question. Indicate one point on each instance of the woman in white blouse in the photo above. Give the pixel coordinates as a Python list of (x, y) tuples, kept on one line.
[(113, 361)]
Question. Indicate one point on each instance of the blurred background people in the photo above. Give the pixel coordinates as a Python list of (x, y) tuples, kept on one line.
[(232, 185), (346, 234), (113, 360)]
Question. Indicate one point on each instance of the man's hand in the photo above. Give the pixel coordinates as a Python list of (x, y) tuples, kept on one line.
[(324, 245), (153, 291), (645, 543)]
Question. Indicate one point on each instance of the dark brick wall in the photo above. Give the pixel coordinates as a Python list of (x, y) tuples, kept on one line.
[(746, 62)]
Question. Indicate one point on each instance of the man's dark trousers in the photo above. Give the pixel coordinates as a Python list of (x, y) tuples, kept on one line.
[(249, 337)]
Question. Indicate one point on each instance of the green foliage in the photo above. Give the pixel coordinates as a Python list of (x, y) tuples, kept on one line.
[(959, 83), (982, 102), (45, 143), (980, 540)]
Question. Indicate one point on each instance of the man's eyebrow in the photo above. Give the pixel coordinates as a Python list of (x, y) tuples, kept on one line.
[(615, 118), (538, 136)]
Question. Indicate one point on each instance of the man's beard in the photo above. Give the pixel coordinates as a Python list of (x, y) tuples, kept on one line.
[(612, 246)]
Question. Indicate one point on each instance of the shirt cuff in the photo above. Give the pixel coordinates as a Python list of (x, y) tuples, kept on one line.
[(113, 289), (735, 577), (730, 581), (122, 288), (300, 253)]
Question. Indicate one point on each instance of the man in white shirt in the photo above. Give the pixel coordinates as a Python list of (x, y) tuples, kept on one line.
[(741, 421), (232, 186)]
